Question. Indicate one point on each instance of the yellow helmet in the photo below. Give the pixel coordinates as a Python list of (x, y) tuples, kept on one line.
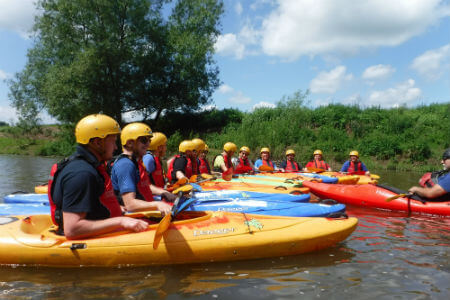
[(318, 152), (245, 149), (158, 139), (93, 126), (290, 151), (264, 149), (354, 153), (199, 144), (186, 145), (228, 147), (134, 130), (206, 148)]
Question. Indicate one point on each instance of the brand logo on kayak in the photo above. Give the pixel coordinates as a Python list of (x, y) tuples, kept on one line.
[(215, 231), (231, 209)]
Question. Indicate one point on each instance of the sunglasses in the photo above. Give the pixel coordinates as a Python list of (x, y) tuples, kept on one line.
[(144, 139)]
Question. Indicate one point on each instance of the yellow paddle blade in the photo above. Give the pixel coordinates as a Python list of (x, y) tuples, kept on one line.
[(395, 197), (206, 176), (265, 168), (145, 214), (374, 176), (316, 170), (162, 227), (184, 189)]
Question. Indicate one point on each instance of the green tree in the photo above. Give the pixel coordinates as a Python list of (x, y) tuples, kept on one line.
[(114, 56)]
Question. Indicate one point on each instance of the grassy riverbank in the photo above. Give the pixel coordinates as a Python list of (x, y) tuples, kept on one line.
[(387, 139)]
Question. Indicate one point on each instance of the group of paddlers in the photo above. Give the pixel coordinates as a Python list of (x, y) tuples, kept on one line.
[(90, 191)]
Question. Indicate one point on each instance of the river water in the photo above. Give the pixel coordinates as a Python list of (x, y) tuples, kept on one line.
[(390, 255)]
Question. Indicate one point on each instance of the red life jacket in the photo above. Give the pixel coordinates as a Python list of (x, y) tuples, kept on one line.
[(268, 163), (157, 176), (227, 161), (188, 171), (318, 164), (291, 166), (243, 166), (352, 168), (107, 198), (429, 179), (143, 190), (204, 166)]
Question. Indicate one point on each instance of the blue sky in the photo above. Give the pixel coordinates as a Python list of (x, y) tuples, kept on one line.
[(373, 52)]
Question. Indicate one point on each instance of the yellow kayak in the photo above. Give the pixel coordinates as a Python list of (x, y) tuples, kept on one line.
[(194, 237), (41, 189)]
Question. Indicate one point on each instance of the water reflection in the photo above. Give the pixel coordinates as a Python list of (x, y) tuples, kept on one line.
[(23, 173)]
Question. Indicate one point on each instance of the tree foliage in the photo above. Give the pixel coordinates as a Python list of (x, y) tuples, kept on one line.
[(112, 56)]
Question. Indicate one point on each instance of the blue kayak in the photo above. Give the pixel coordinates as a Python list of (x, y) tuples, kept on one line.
[(26, 198), (243, 195), (325, 179), (24, 209), (205, 195), (274, 208)]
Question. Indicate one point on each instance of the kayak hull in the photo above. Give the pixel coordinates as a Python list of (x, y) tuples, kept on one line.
[(194, 238), (272, 208), (26, 198), (370, 195), (251, 187)]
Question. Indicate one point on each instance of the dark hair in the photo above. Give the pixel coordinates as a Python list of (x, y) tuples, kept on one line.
[(446, 154)]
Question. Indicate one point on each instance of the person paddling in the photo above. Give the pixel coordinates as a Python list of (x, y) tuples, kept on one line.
[(438, 188), (128, 175), (243, 164), (81, 196), (354, 165), (317, 162), (265, 159), (290, 165)]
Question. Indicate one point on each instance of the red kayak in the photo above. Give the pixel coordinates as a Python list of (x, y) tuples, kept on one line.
[(370, 195)]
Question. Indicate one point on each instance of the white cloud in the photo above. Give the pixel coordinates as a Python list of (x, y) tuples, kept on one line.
[(404, 93), (433, 63), (378, 72), (4, 75), (225, 89), (239, 98), (8, 115), (228, 45), (238, 8), (17, 16), (263, 104), (312, 27), (330, 82), (236, 97)]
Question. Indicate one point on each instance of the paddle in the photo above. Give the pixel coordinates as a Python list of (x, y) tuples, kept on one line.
[(177, 184), (315, 170), (165, 222), (408, 195), (264, 168), (228, 174)]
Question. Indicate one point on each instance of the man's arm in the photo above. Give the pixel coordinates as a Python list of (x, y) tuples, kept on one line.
[(77, 227), (133, 204), (432, 192)]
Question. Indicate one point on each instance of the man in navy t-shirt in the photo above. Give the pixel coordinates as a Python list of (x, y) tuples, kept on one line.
[(441, 190)]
